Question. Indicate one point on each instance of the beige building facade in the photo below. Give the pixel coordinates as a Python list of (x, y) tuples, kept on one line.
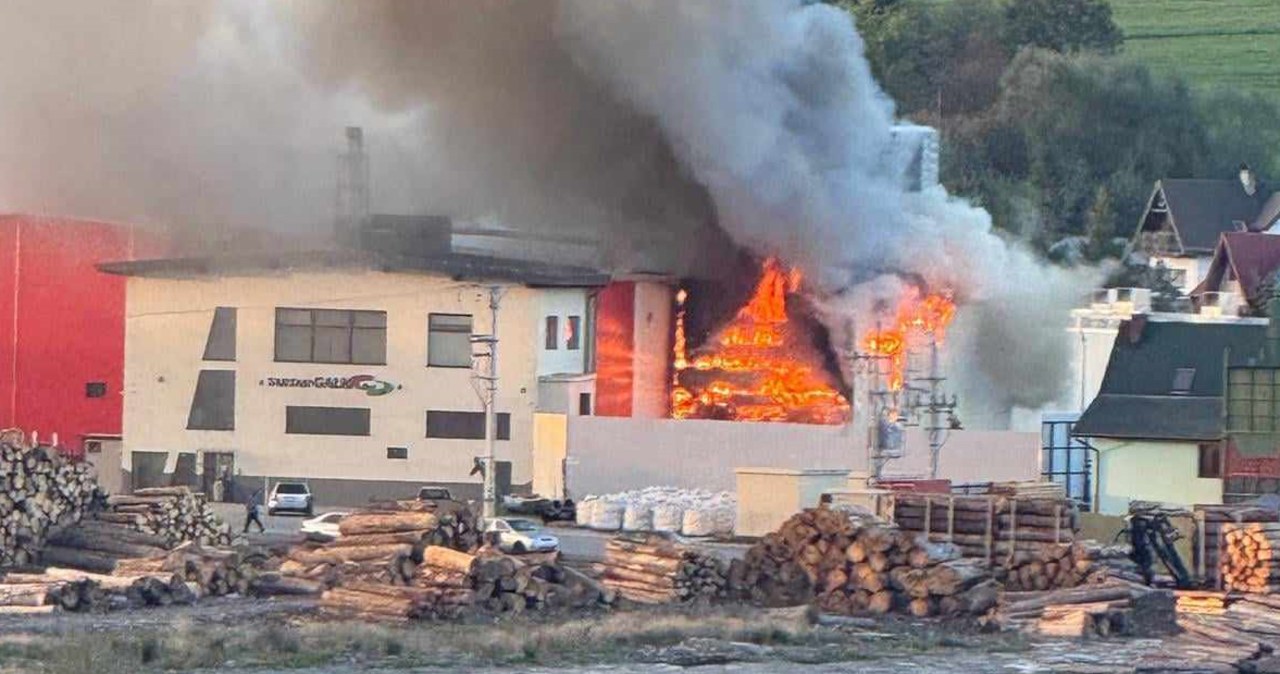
[(353, 375)]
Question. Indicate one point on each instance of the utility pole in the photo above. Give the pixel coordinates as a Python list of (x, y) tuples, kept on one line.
[(936, 405), (488, 395)]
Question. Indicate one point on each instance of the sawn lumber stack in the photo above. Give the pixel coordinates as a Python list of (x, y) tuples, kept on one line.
[(1113, 607), (822, 553), (655, 569), (993, 528)]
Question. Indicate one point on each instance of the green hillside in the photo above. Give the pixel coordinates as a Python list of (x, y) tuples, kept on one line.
[(1229, 43)]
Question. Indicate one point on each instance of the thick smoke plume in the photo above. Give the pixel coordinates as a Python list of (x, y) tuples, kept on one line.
[(653, 125)]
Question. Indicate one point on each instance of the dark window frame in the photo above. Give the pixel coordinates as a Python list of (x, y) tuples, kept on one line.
[(551, 341), (291, 422), (470, 332), (449, 421), (398, 453), (584, 404), (573, 340), (95, 389), (352, 327), (1209, 461)]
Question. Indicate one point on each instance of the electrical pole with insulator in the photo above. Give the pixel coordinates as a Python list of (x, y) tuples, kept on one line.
[(488, 389)]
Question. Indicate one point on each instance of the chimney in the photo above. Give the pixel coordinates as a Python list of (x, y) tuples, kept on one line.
[(1248, 180), (353, 188)]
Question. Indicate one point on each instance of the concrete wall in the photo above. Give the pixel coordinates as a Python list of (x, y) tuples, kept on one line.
[(1151, 471), (167, 324), (549, 452), (612, 454), (768, 496)]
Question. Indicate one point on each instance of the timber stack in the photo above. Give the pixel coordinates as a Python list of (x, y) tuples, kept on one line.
[(1250, 558), (1110, 608), (1214, 522), (63, 589), (1246, 629), (378, 546), (102, 548), (1060, 566), (993, 528), (655, 569), (176, 513), (456, 525), (450, 584), (822, 554), (42, 491)]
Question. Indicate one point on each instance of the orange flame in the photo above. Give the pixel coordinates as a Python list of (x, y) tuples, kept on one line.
[(755, 368), (928, 315)]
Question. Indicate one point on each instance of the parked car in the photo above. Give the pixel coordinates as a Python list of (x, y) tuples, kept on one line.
[(440, 500), (291, 496), (520, 535), (326, 524)]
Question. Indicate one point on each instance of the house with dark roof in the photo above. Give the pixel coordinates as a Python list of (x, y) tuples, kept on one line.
[(1238, 281), (1184, 219), (1159, 422)]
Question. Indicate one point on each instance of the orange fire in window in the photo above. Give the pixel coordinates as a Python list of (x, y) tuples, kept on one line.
[(758, 368), (916, 315)]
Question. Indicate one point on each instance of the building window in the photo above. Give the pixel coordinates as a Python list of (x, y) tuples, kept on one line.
[(331, 336), (213, 407), (1183, 378), (397, 452), (573, 333), (221, 343), (1211, 460), (1253, 405), (584, 404), (553, 333), (95, 389), (326, 421), (450, 425), (449, 340)]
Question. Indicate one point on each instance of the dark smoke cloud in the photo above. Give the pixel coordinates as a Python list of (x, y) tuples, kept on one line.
[(654, 125)]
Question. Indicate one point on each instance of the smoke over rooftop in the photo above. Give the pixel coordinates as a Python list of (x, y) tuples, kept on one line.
[(653, 124)]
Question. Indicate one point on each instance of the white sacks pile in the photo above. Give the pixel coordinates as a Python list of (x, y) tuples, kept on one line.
[(691, 512)]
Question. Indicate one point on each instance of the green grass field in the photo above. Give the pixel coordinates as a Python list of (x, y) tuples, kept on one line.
[(1222, 43)]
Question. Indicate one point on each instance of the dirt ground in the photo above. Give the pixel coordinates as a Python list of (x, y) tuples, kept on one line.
[(263, 637)]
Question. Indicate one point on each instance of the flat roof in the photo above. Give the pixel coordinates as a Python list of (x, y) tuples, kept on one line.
[(455, 265)]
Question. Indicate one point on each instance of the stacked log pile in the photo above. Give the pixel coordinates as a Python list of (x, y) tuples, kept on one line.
[(40, 490), (988, 527), (456, 526), (176, 513), (379, 546), (118, 550), (60, 589), (450, 584), (1093, 610), (653, 569), (1060, 566), (821, 553), (1250, 558)]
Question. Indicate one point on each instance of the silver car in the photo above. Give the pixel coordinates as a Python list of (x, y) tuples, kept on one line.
[(520, 535), (291, 496)]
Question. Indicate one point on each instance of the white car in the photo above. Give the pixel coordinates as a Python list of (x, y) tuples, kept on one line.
[(326, 524), (291, 496), (520, 535)]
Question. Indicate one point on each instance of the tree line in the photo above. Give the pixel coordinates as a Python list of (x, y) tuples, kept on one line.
[(1046, 123)]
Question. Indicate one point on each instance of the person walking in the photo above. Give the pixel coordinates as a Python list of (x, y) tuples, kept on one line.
[(253, 511)]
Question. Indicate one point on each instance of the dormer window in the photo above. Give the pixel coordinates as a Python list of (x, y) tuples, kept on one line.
[(1183, 379)]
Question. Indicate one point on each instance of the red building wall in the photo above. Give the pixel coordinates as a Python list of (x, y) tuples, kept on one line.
[(62, 325), (615, 347)]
